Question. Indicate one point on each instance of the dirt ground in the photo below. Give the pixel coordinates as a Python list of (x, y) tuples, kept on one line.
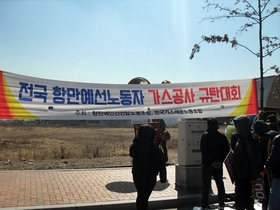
[(41, 147)]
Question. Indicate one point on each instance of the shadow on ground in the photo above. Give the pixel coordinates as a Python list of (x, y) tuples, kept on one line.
[(129, 187)]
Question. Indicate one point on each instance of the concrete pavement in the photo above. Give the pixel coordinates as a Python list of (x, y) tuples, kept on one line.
[(103, 188)]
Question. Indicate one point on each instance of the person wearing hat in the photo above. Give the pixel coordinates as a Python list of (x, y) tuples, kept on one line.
[(265, 135), (214, 148)]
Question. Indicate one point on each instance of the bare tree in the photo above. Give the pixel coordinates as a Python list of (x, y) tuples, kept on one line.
[(255, 16)]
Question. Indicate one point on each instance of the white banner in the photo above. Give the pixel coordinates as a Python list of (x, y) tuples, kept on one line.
[(23, 97)]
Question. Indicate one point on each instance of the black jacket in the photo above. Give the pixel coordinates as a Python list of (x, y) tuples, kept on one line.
[(214, 147), (273, 161), (233, 140), (264, 141), (247, 159), (148, 160)]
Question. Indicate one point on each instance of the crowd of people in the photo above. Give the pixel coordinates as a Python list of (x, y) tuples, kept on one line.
[(256, 156)]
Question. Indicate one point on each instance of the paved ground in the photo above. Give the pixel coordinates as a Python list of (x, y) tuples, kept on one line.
[(229, 206), (110, 188)]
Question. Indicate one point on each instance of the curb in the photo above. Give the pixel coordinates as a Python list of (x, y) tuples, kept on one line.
[(156, 203)]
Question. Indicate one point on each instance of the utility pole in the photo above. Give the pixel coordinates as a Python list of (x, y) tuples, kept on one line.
[(261, 61)]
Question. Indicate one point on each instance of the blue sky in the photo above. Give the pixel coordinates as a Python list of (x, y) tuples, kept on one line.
[(113, 41)]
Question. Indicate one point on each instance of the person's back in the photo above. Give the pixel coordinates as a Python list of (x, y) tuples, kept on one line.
[(146, 158), (148, 161), (214, 148)]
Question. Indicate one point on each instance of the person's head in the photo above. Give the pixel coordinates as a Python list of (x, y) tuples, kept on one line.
[(146, 133), (165, 82), (260, 128), (271, 118), (272, 122), (212, 124), (242, 125)]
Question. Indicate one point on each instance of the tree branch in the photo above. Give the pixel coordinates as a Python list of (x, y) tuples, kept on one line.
[(216, 38), (254, 15), (275, 10), (264, 6), (270, 52), (256, 54), (251, 6)]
